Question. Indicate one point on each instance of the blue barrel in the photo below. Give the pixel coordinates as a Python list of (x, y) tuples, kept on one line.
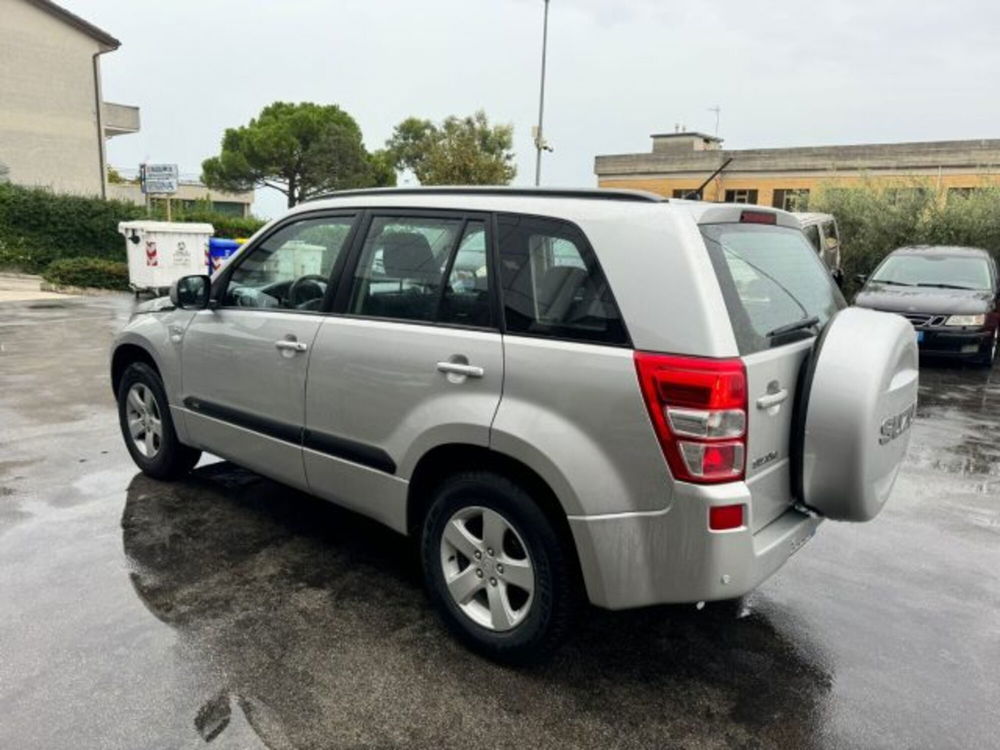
[(218, 251)]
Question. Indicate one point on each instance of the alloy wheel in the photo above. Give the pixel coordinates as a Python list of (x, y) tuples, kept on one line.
[(487, 569), (145, 424)]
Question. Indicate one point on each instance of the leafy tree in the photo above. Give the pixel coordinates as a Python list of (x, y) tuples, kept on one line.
[(459, 151), (301, 150)]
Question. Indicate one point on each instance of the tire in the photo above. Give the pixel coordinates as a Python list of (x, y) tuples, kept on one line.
[(989, 353), (141, 399), (533, 623)]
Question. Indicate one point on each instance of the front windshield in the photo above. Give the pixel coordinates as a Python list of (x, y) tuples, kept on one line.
[(934, 270)]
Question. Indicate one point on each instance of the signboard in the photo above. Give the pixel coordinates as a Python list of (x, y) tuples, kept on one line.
[(158, 179)]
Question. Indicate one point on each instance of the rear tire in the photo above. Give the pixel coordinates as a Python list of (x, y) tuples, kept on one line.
[(501, 576), (147, 427)]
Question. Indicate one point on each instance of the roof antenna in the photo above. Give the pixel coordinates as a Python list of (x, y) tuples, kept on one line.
[(718, 110)]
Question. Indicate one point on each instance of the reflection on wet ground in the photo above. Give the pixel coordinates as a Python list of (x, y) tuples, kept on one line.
[(316, 619), (230, 610)]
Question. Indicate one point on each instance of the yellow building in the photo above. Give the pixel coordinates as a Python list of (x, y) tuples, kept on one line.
[(680, 163)]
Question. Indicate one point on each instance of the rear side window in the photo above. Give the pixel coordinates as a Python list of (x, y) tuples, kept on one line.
[(552, 285), (770, 277), (401, 271)]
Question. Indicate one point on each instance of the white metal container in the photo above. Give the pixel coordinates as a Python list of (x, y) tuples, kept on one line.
[(160, 252), (296, 259)]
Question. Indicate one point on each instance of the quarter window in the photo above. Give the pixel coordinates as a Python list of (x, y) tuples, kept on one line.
[(552, 285), (291, 268)]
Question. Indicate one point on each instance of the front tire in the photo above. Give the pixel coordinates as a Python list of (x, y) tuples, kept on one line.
[(989, 353), (499, 573), (147, 427)]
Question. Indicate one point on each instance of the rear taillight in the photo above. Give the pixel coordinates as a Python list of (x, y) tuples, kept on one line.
[(699, 412)]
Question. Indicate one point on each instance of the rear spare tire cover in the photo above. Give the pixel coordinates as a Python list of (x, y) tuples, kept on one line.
[(860, 405)]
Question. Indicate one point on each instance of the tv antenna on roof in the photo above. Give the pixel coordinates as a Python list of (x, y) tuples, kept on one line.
[(718, 110)]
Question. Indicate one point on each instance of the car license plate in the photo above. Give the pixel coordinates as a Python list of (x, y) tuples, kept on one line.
[(920, 336)]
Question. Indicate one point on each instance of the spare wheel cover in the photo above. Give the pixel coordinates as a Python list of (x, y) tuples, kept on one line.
[(862, 399)]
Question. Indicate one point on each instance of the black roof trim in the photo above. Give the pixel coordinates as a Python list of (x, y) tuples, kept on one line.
[(638, 196)]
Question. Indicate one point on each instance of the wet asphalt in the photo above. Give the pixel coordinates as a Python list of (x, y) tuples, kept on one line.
[(230, 610)]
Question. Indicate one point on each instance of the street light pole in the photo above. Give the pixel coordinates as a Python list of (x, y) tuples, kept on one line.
[(539, 137)]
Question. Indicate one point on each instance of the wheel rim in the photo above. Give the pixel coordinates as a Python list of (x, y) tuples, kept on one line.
[(487, 569), (145, 425)]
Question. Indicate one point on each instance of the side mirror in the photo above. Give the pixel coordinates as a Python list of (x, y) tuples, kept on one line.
[(861, 278), (191, 292)]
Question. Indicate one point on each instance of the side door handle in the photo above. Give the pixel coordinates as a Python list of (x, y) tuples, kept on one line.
[(291, 345), (458, 368), (771, 400)]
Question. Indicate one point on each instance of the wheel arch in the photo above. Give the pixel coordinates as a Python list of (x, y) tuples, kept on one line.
[(442, 461), (126, 354)]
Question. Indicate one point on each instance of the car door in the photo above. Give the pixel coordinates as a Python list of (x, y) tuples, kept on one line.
[(411, 359), (244, 359)]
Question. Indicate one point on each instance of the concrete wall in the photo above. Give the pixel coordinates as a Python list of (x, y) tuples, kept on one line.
[(49, 133)]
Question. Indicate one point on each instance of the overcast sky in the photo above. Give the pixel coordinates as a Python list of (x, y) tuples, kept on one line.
[(803, 73)]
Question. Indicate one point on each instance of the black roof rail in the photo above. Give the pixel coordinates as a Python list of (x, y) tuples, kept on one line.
[(639, 196)]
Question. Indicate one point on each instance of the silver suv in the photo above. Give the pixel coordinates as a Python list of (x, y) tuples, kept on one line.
[(558, 393)]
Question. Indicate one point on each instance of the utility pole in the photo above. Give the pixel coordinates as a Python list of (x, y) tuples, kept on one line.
[(540, 144)]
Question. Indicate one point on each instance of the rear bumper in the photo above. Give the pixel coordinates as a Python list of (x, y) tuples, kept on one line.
[(638, 559), (944, 342)]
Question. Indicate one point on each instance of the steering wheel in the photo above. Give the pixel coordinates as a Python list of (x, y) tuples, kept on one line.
[(313, 280)]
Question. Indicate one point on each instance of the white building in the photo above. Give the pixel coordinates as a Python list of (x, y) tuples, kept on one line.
[(53, 119)]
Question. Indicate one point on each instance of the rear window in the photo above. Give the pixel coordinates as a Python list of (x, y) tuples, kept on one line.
[(771, 277)]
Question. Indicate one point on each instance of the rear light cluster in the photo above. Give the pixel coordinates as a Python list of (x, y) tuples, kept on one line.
[(699, 412)]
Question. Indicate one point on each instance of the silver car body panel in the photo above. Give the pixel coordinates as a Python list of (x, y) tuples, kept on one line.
[(244, 398), (574, 413), (376, 383)]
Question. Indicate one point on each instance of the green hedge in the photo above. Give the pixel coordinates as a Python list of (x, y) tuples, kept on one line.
[(38, 227), (98, 273), (875, 219)]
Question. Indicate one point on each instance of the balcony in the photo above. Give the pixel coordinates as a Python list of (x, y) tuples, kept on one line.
[(119, 119)]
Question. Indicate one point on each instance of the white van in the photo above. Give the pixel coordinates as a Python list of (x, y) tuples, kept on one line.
[(822, 233)]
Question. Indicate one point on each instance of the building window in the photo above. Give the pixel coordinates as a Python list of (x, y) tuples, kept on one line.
[(691, 193), (789, 199), (741, 196), (900, 196), (230, 208)]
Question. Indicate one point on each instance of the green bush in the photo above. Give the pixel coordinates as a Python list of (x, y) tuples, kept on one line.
[(38, 221), (97, 273), (876, 218), (225, 225), (38, 226)]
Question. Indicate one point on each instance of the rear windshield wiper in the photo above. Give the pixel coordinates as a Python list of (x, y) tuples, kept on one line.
[(944, 286), (798, 325)]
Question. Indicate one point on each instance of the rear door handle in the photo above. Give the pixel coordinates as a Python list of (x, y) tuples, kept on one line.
[(291, 345), (772, 399), (457, 368)]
